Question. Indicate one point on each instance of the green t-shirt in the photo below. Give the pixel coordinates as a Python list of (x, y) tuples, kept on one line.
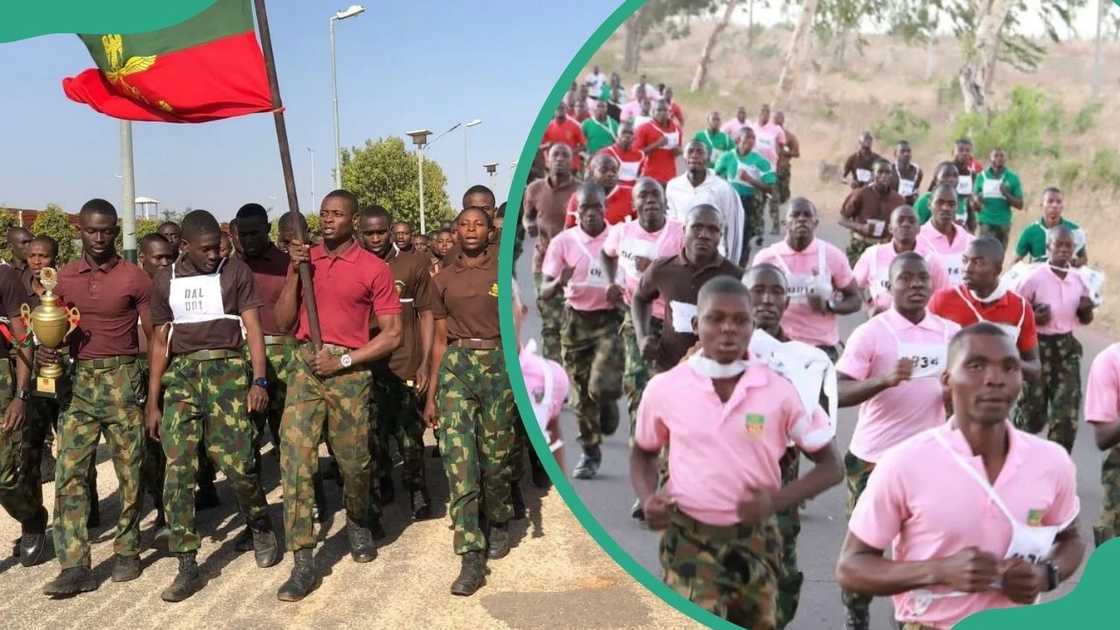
[(718, 143), (996, 210), (1032, 242), (605, 91), (757, 166), (599, 135), (925, 213)]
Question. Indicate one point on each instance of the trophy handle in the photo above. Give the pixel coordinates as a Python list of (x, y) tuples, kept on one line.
[(25, 315), (73, 316)]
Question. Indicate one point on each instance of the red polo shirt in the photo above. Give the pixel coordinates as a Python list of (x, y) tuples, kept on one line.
[(630, 162), (109, 298), (661, 164), (350, 289), (957, 304), (270, 272), (620, 206), (567, 132)]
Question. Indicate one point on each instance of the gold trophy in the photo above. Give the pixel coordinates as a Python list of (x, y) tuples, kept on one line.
[(52, 323)]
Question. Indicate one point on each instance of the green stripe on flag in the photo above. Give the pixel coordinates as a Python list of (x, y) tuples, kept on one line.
[(21, 19)]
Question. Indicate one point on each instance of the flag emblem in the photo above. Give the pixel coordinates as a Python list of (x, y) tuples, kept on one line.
[(755, 424)]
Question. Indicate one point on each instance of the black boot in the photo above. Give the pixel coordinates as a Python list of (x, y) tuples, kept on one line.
[(187, 582), (362, 548), (388, 492), (265, 547), (538, 473), (126, 568), (518, 501), (421, 505), (376, 529), (303, 579), (33, 540), (608, 417), (71, 582), (244, 540), (47, 464), (472, 575), (206, 497), (319, 512), (499, 542), (589, 462)]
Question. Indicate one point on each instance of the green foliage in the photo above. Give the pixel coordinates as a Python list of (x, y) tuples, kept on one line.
[(8, 219), (313, 225), (899, 124), (1025, 127), (1066, 172), (949, 92), (54, 222), (144, 227), (1103, 171), (1086, 117), (385, 173)]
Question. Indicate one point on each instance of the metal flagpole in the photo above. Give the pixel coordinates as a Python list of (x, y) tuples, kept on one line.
[(420, 162), (128, 192)]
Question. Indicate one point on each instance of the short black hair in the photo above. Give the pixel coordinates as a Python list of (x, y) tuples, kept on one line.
[(285, 221), (904, 258), (98, 206), (764, 267), (985, 329), (16, 229), (489, 220), (1051, 189), (501, 211), (199, 223), (342, 193), (167, 223), (589, 188), (479, 189), (442, 230), (374, 211), (154, 237), (48, 241), (722, 285), (961, 141), (251, 211), (989, 247)]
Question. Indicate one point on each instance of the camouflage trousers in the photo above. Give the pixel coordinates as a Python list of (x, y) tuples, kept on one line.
[(521, 447), (394, 412), (775, 206), (476, 414), (105, 399), (856, 247), (1001, 233), (206, 401), (730, 571), (21, 491), (1108, 525), (754, 209), (278, 357), (1056, 398), (594, 359), (783, 182), (552, 320), (341, 402), (856, 474), (637, 371), (789, 525)]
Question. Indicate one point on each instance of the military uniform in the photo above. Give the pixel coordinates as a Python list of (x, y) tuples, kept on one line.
[(107, 390), (205, 386), (474, 400), (1056, 398)]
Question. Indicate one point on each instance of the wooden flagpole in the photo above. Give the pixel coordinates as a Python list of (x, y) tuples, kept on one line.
[(289, 178)]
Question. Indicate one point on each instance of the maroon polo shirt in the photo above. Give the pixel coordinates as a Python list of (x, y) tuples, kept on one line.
[(270, 272), (109, 298)]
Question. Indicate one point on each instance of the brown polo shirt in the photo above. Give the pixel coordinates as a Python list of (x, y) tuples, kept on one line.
[(860, 161), (413, 285), (466, 295), (676, 279), (867, 203), (239, 294), (549, 206), (109, 298), (270, 272)]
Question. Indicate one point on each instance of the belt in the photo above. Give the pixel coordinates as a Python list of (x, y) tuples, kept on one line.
[(210, 355), (475, 344), (1054, 337), (332, 349), (722, 533), (106, 362), (279, 340)]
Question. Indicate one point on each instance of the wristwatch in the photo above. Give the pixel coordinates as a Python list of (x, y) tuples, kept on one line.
[(261, 382), (345, 360), (23, 394), (1051, 575)]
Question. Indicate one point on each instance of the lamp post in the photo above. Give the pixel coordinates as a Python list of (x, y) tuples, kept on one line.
[(312, 152), (420, 138), (467, 151), (491, 170), (353, 10)]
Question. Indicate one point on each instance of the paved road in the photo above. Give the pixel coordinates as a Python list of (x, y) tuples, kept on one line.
[(609, 496)]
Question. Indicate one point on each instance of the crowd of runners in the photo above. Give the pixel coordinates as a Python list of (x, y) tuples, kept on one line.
[(657, 300)]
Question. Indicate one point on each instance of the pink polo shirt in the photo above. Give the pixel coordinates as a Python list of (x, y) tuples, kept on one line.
[(533, 367), (924, 504), (629, 240), (800, 322), (872, 271), (1043, 286), (766, 140), (910, 407), (950, 254), (732, 128), (1102, 392), (574, 248), (719, 450)]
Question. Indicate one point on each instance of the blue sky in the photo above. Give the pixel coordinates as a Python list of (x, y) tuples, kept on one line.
[(401, 66)]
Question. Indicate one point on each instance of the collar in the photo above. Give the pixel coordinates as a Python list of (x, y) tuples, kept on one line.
[(936, 233), (754, 376), (85, 264), (784, 249), (350, 254), (1061, 221), (1015, 446), (185, 268), (709, 174), (548, 182), (482, 261), (998, 295), (685, 262), (929, 322), (578, 232), (710, 368), (988, 172)]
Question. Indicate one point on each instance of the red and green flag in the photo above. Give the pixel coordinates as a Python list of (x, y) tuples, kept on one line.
[(206, 68)]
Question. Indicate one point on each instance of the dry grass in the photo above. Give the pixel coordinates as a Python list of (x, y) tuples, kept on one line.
[(835, 105)]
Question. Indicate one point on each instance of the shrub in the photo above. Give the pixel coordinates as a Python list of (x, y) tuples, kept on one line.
[(1103, 171), (1024, 128), (1086, 118), (899, 124), (1066, 172)]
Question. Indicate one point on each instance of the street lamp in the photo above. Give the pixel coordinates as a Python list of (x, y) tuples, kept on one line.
[(312, 152), (354, 9), (420, 138), (467, 151), (491, 169)]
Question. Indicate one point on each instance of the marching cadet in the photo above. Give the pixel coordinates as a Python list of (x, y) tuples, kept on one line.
[(153, 254), (721, 547), (592, 350), (331, 387), (473, 400), (1061, 302), (395, 408), (199, 305), (21, 435), (111, 296)]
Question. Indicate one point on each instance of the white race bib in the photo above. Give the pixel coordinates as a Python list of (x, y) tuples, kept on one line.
[(683, 312), (992, 188), (628, 171), (964, 185), (878, 228), (628, 253), (905, 187), (672, 139), (863, 175), (197, 299)]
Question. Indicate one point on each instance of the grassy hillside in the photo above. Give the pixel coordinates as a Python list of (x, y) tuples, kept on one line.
[(841, 100)]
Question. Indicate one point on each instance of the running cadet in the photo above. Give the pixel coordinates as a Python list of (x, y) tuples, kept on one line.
[(907, 176), (872, 271), (946, 238), (1102, 412), (727, 423), (770, 141), (599, 130), (996, 191), (751, 175), (968, 167), (717, 142), (199, 306), (699, 184), (859, 168), (154, 253), (630, 159), (978, 514), (619, 205), (790, 151), (471, 403), (821, 285), (563, 129), (732, 127), (1032, 241), (890, 368), (866, 211), (112, 296), (331, 388), (592, 349), (660, 141), (946, 175), (1060, 300)]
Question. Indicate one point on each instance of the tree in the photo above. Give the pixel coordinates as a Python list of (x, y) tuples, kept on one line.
[(795, 53), (384, 173), (658, 15), (709, 47), (144, 227), (54, 222), (8, 219)]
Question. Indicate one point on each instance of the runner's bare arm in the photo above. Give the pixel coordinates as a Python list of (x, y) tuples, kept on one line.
[(643, 477), (1032, 365), (439, 347), (254, 336), (286, 310), (826, 472), (1107, 434), (851, 392), (855, 226), (383, 343), (850, 300), (157, 364), (550, 286), (1024, 581), (862, 569)]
